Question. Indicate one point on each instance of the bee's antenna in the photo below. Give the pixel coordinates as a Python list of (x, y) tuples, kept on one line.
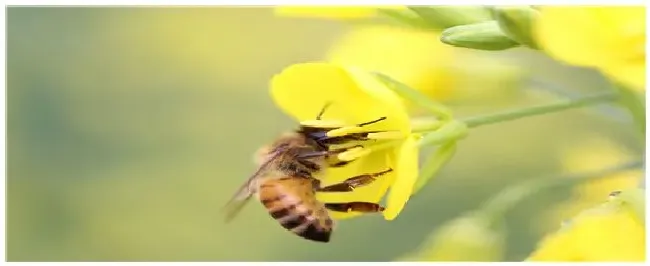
[(322, 111)]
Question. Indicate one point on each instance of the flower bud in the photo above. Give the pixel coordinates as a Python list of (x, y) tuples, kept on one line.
[(517, 23), (481, 36)]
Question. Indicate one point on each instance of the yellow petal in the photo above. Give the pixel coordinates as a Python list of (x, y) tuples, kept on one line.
[(412, 56), (302, 90), (605, 233), (632, 75), (577, 34), (611, 39), (406, 171)]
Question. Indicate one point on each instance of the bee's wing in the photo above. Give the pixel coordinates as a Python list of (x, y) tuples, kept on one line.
[(244, 193), (237, 202)]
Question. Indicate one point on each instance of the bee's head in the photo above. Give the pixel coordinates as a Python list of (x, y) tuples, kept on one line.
[(316, 130)]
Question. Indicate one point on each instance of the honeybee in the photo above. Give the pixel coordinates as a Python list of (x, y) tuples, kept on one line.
[(286, 180)]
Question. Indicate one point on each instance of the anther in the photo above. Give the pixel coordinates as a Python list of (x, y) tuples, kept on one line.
[(344, 131), (353, 154)]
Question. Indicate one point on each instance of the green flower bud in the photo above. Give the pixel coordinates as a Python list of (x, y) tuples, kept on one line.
[(443, 17), (481, 36), (517, 22)]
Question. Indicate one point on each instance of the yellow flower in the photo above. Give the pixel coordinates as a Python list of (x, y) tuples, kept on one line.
[(611, 39), (413, 56), (593, 155), (332, 12), (610, 232), (302, 90), (467, 238)]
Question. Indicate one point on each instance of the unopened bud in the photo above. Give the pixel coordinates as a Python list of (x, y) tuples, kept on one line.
[(517, 23), (481, 36)]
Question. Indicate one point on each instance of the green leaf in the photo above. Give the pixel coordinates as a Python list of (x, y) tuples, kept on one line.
[(517, 23), (415, 96), (481, 36), (434, 163)]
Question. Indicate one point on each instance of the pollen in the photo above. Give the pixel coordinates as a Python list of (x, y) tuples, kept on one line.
[(340, 132), (354, 153)]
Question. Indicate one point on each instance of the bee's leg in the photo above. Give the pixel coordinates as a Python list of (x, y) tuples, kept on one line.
[(356, 206), (354, 182), (315, 183), (315, 154), (339, 163), (346, 138)]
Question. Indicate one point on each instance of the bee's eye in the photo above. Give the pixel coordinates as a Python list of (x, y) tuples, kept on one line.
[(318, 135)]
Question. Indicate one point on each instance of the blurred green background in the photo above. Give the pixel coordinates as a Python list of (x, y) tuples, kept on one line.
[(129, 128)]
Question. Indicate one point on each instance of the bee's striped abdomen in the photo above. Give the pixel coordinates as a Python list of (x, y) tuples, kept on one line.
[(292, 203)]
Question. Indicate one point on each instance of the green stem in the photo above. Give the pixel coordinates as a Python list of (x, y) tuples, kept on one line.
[(540, 109), (509, 197), (423, 125)]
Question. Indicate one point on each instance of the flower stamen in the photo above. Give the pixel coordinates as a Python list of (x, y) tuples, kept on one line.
[(347, 130), (344, 131), (353, 154)]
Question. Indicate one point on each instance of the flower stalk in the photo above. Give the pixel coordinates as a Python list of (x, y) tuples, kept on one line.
[(442, 131), (540, 109)]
